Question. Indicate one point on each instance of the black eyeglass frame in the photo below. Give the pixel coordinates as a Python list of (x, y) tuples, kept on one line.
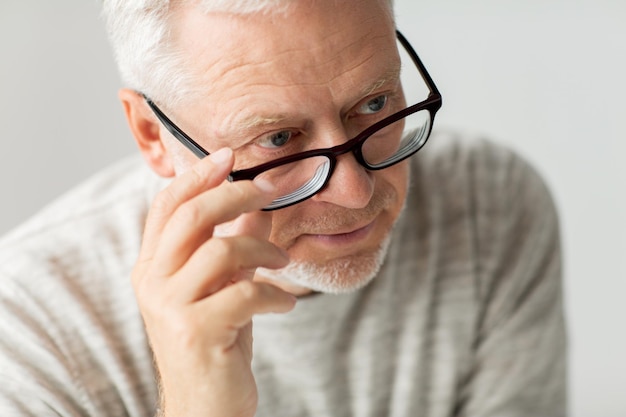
[(432, 103)]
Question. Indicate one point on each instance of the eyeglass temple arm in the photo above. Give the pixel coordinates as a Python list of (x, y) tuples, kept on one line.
[(434, 91), (189, 143)]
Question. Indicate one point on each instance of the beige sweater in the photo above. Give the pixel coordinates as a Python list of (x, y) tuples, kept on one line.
[(464, 319)]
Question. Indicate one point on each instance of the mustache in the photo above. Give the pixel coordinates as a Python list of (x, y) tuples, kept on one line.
[(334, 218)]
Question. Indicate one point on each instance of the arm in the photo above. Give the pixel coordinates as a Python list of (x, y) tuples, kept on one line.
[(520, 346)]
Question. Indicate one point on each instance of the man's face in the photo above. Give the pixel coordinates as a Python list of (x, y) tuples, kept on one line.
[(304, 75)]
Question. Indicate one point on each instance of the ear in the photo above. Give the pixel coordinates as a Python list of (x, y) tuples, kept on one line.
[(147, 132)]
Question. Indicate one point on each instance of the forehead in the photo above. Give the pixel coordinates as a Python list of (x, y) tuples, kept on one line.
[(318, 50)]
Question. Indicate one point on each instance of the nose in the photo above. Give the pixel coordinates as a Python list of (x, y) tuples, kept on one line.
[(351, 184)]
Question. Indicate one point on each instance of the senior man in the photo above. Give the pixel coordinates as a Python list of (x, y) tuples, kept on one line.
[(283, 135)]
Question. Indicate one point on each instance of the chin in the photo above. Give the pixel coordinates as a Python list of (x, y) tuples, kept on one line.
[(338, 276)]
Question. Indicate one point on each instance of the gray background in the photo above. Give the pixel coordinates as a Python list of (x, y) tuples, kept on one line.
[(544, 77)]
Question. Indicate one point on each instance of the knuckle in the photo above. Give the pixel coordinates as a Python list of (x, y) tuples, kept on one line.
[(149, 302), (183, 328), (176, 324), (197, 175), (144, 295), (189, 213), (175, 194), (164, 200), (242, 191), (223, 248), (248, 290)]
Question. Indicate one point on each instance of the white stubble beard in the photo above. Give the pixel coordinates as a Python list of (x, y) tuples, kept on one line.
[(339, 276)]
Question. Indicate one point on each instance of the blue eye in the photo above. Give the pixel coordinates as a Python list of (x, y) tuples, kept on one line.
[(373, 106), (276, 140)]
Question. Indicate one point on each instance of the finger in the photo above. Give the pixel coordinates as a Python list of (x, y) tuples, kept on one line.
[(207, 173), (233, 308), (193, 222), (257, 224), (219, 262)]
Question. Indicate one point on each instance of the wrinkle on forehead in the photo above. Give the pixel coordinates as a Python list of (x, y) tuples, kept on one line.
[(312, 70), (250, 73), (241, 123), (312, 35)]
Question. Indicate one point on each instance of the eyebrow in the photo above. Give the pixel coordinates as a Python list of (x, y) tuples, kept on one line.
[(255, 121), (391, 75)]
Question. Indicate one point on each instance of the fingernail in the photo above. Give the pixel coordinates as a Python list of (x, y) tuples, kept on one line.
[(221, 155), (264, 185)]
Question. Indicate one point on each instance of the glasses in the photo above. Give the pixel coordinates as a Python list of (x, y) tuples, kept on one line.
[(378, 144)]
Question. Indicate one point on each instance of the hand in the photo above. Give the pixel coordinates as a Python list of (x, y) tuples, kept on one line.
[(195, 291)]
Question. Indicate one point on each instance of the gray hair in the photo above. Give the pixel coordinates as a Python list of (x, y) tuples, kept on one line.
[(140, 34)]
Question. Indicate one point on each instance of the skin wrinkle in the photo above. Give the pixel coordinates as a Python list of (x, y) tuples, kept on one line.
[(222, 71), (276, 57), (261, 68)]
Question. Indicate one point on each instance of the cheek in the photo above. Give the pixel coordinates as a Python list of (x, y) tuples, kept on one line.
[(396, 177)]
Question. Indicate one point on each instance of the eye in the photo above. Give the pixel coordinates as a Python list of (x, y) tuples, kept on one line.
[(374, 105), (276, 139)]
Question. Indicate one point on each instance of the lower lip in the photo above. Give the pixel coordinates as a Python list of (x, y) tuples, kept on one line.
[(344, 238)]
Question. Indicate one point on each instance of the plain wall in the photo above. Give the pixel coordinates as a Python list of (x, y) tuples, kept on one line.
[(544, 77)]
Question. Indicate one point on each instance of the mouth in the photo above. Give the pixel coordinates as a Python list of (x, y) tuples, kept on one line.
[(350, 236)]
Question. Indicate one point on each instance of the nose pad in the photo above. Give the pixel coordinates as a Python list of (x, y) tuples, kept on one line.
[(351, 184)]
